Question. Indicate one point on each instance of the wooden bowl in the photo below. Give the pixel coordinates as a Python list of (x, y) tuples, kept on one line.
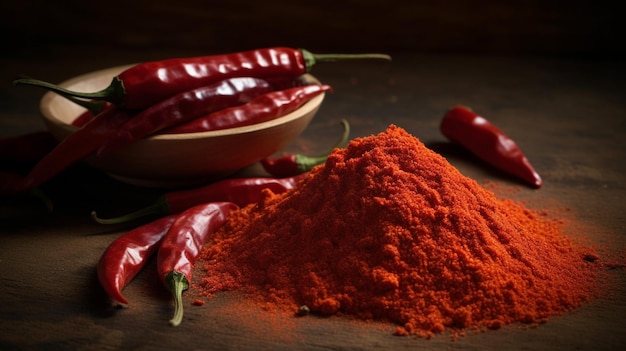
[(176, 160)]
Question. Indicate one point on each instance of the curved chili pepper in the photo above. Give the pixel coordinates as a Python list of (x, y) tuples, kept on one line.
[(75, 147), (82, 119), (293, 164), (127, 254), (186, 106), (145, 84), (93, 109), (240, 191), (263, 108), (463, 126), (182, 244)]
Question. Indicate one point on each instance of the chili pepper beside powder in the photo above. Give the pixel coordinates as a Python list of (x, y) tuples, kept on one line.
[(240, 191), (127, 254), (389, 230), (293, 164), (182, 245), (463, 126), (145, 84)]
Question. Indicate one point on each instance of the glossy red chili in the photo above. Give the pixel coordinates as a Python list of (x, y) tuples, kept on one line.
[(93, 109), (145, 84), (463, 126), (293, 164), (127, 255), (74, 148), (240, 191), (82, 119), (182, 245), (263, 108), (186, 106)]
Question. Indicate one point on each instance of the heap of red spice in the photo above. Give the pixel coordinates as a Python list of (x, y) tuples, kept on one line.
[(388, 230)]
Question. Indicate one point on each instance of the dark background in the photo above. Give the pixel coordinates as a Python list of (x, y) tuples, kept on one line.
[(588, 29)]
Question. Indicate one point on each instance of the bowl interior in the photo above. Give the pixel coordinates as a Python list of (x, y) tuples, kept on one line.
[(175, 160)]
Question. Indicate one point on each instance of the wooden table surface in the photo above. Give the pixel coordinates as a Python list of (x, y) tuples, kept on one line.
[(569, 117)]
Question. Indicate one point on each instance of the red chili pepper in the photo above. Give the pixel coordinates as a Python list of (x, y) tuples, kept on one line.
[(93, 109), (186, 106), (263, 108), (240, 191), (127, 254), (82, 119), (145, 84), (75, 147), (294, 164), (182, 245), (463, 126), (26, 149)]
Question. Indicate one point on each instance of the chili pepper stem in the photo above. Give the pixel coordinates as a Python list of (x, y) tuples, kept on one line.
[(311, 59), (306, 163), (113, 93), (177, 283), (158, 208), (92, 106)]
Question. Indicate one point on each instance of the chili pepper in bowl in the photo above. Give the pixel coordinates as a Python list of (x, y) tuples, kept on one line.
[(240, 191), (186, 106), (261, 109), (464, 127), (127, 254), (182, 245), (145, 84), (293, 164)]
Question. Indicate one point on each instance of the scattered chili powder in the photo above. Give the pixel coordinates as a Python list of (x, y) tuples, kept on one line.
[(389, 230)]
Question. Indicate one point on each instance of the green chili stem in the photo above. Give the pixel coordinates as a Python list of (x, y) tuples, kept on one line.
[(91, 105), (306, 163), (114, 93), (311, 59), (158, 208), (177, 283)]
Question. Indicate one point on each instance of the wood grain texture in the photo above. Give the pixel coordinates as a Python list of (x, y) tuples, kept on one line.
[(567, 115)]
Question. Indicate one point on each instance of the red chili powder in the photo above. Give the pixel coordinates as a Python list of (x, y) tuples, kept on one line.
[(389, 230)]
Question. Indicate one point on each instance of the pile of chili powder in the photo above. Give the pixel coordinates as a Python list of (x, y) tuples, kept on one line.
[(388, 230)]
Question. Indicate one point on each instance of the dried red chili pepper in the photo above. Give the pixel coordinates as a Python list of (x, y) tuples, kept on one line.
[(145, 84), (127, 254), (263, 108), (463, 126), (75, 147), (186, 106), (93, 109), (82, 119), (182, 244), (26, 149), (293, 164), (240, 191)]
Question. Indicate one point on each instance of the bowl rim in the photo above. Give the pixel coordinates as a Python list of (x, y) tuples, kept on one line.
[(50, 97)]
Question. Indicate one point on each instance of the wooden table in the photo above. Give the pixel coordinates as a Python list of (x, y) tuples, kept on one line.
[(567, 115)]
